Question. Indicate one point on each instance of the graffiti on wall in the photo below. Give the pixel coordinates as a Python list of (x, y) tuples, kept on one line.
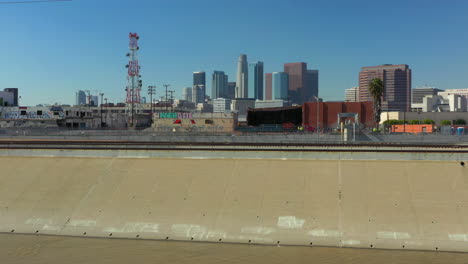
[(32, 115), (174, 115)]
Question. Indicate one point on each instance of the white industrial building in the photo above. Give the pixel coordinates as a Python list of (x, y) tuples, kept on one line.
[(269, 103), (352, 94), (443, 102), (221, 105), (461, 92)]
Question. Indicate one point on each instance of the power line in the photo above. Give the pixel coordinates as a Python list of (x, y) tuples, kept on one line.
[(33, 2)]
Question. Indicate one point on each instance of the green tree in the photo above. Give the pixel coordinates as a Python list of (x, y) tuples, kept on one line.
[(376, 89), (428, 122), (459, 122), (445, 123), (394, 122), (414, 122)]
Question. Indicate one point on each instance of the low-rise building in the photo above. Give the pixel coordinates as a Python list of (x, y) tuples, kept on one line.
[(417, 94), (352, 94), (205, 108), (332, 114), (462, 92), (437, 117), (194, 122), (241, 106), (442, 102), (221, 105), (42, 116), (269, 103)]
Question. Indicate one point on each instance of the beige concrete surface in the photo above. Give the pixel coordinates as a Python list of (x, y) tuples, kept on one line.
[(410, 205), (19, 249)]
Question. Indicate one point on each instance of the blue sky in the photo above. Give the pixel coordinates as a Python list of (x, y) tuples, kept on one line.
[(50, 50)]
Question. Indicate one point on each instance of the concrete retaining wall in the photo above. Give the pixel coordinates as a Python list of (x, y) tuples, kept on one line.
[(421, 205)]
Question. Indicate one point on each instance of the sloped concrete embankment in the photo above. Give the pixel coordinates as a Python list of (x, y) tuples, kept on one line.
[(421, 205)]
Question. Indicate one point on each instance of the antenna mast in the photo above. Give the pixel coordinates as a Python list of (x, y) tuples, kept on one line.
[(134, 83)]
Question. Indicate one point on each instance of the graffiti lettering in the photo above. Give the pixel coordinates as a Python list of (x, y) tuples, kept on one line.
[(31, 115), (174, 115)]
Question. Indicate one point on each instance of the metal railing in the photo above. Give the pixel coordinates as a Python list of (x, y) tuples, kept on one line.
[(265, 135)]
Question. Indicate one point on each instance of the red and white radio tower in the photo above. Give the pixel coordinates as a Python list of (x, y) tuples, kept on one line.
[(134, 83)]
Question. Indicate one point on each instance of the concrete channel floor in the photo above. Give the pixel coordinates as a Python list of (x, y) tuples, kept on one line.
[(22, 249)]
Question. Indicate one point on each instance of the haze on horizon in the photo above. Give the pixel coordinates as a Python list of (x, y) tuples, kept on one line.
[(51, 50)]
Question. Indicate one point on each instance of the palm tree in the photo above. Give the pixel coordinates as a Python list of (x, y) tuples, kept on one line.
[(376, 89)]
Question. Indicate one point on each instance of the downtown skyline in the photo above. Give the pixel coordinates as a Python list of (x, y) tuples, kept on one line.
[(54, 52)]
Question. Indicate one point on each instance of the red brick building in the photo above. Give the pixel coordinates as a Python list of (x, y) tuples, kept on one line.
[(328, 113)]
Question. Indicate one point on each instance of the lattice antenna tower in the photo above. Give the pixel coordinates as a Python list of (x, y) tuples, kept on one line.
[(133, 75)]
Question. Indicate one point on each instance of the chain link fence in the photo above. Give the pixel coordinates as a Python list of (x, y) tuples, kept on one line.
[(242, 135)]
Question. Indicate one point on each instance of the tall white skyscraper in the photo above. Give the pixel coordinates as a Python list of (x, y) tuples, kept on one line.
[(242, 85)]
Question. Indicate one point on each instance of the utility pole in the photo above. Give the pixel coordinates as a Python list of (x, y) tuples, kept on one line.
[(165, 101), (151, 92), (172, 100), (317, 100), (102, 101)]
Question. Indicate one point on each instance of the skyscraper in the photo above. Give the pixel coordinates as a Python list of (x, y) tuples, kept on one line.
[(303, 83), (280, 86), (94, 100), (231, 90), (199, 78), (256, 80), (187, 94), (297, 72), (80, 98), (312, 86), (268, 87), (6, 98), (397, 86), (219, 85), (198, 94), (14, 91), (242, 85)]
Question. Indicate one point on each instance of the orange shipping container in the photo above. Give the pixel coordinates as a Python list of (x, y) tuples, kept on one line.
[(415, 129)]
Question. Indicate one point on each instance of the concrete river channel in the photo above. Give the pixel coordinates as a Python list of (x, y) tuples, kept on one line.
[(122, 201)]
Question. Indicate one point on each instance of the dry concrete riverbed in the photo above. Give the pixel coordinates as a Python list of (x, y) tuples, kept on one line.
[(24, 249)]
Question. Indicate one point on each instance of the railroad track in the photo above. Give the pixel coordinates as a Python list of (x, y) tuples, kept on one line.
[(228, 146)]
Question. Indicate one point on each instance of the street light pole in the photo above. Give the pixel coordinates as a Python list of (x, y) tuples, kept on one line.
[(102, 100), (105, 99)]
